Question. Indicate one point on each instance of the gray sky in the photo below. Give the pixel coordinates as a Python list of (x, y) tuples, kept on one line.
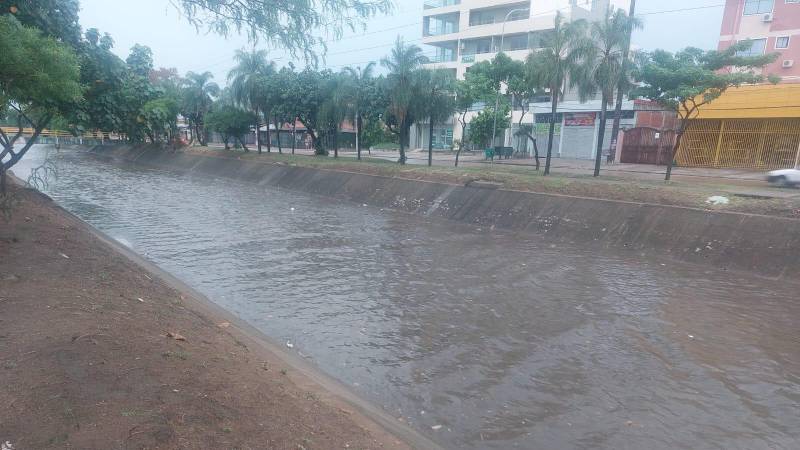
[(175, 43)]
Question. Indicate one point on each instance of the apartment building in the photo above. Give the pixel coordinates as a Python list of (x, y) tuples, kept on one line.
[(771, 26), (464, 32)]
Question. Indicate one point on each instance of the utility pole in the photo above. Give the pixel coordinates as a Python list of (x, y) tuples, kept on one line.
[(618, 110)]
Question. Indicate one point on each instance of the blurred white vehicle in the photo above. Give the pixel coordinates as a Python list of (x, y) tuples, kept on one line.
[(784, 177)]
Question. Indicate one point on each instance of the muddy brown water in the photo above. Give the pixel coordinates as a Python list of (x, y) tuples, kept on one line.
[(479, 339)]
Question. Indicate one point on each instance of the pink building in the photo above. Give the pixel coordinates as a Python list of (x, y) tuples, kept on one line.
[(772, 26)]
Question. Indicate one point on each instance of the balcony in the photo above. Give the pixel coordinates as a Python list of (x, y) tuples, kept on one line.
[(431, 4), (440, 25)]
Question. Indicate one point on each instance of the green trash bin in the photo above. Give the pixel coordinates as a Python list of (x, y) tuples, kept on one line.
[(489, 153)]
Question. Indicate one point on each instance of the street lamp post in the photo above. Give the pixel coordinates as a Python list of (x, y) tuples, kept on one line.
[(497, 98)]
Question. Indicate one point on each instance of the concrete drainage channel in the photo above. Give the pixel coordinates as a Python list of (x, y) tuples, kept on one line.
[(761, 245)]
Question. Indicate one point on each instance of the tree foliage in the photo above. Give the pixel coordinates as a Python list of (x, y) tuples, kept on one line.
[(402, 90), (481, 127), (299, 26), (692, 78), (57, 19), (552, 66), (39, 80), (231, 122)]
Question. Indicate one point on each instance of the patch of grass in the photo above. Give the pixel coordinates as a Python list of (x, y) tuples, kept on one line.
[(523, 178), (179, 354)]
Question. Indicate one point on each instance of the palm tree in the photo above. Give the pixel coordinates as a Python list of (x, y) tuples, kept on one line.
[(403, 61), (198, 96), (438, 100), (353, 92), (601, 57), (554, 64), (248, 81)]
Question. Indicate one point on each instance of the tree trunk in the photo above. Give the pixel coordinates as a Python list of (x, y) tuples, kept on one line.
[(278, 130), (552, 132), (269, 136), (258, 133), (336, 143), (620, 94), (678, 139), (358, 136), (601, 135), (430, 143), (225, 140), (244, 146), (294, 135), (463, 122)]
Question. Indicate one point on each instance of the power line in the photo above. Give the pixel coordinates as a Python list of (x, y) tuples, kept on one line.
[(387, 45)]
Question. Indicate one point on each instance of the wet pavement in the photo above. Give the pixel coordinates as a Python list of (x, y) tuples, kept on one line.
[(479, 339)]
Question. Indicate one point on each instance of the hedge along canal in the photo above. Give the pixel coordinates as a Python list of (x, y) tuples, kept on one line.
[(763, 245), (480, 338)]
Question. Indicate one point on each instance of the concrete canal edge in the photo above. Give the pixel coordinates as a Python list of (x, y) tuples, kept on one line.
[(303, 374), (761, 245)]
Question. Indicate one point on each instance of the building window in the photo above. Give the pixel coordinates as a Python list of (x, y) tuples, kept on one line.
[(782, 41), (516, 42), (752, 7), (757, 48)]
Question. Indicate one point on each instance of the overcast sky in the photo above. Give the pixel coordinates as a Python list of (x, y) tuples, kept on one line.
[(670, 25)]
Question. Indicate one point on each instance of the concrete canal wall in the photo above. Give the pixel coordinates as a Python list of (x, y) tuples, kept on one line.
[(766, 246)]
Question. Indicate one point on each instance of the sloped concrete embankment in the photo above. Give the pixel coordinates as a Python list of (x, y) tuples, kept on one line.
[(762, 245)]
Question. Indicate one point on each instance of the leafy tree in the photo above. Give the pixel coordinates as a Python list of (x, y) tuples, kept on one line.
[(249, 81), (198, 95), (401, 90), (355, 94), (481, 127), (57, 19), (601, 65), (475, 87), (554, 64), (231, 122), (283, 111), (306, 94), (692, 78), (158, 118), (103, 74), (437, 89), (298, 26), (333, 111), (524, 86), (140, 60), (39, 79)]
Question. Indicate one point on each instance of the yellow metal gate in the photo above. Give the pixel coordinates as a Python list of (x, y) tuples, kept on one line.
[(741, 143)]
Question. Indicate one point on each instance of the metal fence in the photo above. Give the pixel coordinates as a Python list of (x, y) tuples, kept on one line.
[(741, 143)]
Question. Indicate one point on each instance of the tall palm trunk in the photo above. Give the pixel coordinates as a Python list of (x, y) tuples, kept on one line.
[(618, 108), (601, 134), (269, 135), (258, 133), (430, 143), (358, 136), (335, 143), (294, 135), (552, 132)]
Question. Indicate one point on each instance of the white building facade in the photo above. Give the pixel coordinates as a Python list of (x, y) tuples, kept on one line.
[(464, 32)]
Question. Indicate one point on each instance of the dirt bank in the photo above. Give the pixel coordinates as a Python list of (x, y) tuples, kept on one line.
[(99, 352)]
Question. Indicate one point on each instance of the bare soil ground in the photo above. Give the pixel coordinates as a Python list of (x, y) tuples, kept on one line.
[(693, 194), (87, 361)]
